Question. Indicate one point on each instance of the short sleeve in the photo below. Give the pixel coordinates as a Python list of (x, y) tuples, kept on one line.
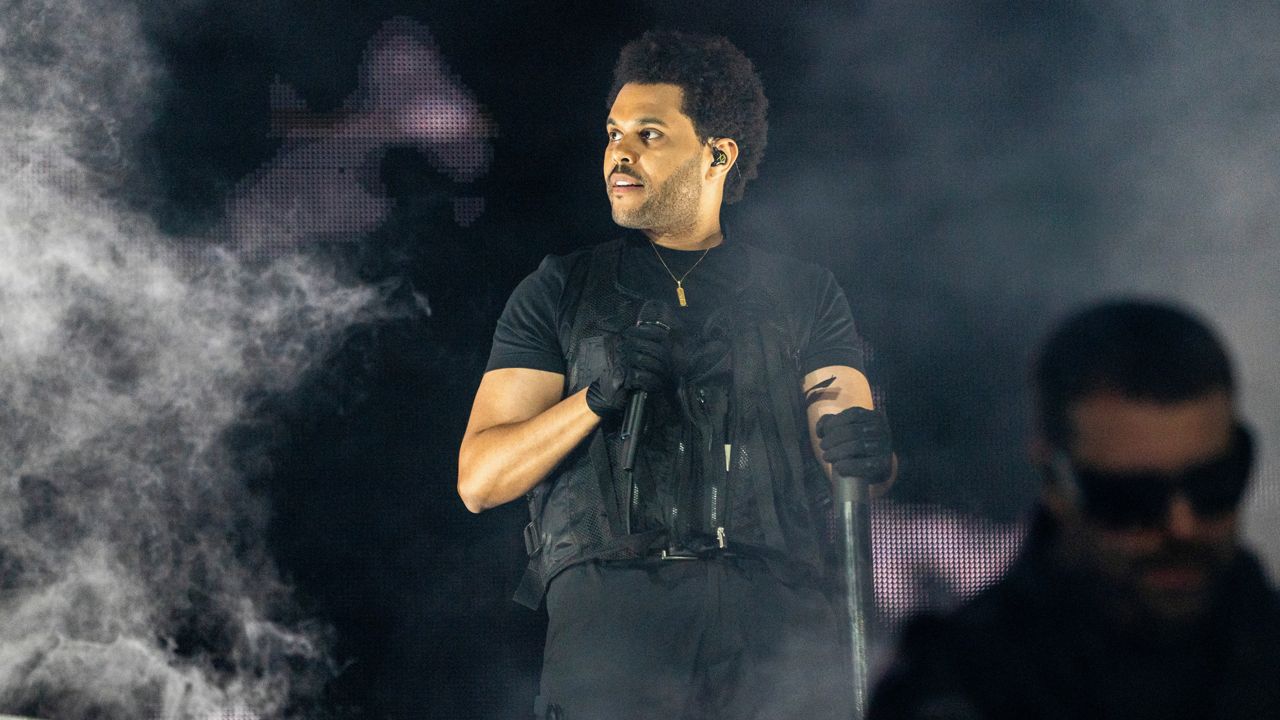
[(833, 338), (527, 333)]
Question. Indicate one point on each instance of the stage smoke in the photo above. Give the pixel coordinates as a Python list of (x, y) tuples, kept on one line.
[(133, 578), (1006, 166)]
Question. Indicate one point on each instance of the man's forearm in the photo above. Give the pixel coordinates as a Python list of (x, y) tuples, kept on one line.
[(503, 462)]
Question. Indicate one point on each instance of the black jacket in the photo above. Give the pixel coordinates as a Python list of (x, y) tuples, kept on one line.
[(1033, 647)]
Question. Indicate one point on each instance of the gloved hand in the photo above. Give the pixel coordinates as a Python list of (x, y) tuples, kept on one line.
[(644, 362), (857, 443)]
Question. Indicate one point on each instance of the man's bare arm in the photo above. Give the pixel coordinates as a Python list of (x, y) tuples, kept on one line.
[(520, 429), (834, 388)]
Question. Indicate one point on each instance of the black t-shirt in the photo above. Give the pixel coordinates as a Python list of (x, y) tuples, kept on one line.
[(531, 334)]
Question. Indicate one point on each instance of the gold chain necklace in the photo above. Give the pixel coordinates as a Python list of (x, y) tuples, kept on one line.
[(679, 280)]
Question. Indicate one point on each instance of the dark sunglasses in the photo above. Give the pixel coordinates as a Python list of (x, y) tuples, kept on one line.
[(1141, 499)]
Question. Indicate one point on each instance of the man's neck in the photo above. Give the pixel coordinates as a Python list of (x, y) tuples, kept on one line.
[(699, 237)]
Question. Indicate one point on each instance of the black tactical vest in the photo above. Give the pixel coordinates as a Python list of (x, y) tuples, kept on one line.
[(724, 460)]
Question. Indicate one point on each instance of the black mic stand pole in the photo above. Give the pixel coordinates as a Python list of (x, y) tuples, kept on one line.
[(854, 500)]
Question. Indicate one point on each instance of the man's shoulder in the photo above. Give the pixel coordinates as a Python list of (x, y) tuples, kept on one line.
[(561, 263), (1006, 620), (788, 266), (995, 611), (961, 660), (793, 283), (564, 263), (1254, 594)]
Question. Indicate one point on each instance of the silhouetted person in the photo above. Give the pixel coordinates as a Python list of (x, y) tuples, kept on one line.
[(1132, 597)]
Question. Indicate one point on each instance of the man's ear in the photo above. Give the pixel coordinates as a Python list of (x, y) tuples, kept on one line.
[(1053, 495), (725, 148)]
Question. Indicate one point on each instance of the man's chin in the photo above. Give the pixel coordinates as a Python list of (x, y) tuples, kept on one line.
[(1177, 609), (1175, 595), (625, 217), (628, 219), (627, 222)]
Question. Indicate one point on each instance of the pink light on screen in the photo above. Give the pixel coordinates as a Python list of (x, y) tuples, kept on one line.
[(927, 557), (323, 183)]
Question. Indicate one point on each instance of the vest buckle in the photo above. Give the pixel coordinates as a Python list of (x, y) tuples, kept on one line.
[(531, 542)]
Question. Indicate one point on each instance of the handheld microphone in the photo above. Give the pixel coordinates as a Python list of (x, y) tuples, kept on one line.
[(658, 313)]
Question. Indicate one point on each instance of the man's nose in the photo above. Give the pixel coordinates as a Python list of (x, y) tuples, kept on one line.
[(622, 152), (1181, 520)]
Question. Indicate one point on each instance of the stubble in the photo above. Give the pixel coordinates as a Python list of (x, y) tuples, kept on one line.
[(672, 205)]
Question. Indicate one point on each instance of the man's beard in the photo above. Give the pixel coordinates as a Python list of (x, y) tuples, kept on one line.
[(1116, 585), (671, 206)]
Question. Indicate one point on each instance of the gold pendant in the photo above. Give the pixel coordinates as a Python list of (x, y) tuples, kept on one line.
[(680, 295)]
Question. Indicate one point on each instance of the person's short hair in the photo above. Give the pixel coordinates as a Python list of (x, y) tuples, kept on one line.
[(1139, 349), (722, 93)]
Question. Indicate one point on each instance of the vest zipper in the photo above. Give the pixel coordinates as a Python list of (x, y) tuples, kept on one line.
[(715, 482)]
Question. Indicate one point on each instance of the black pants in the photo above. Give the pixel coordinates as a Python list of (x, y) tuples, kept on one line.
[(691, 640)]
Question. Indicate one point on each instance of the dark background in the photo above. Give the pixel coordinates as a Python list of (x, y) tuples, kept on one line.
[(964, 169)]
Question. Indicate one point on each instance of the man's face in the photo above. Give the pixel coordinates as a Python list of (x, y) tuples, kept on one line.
[(1165, 570), (653, 161)]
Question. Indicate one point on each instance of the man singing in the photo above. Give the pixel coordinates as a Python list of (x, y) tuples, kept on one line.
[(689, 582)]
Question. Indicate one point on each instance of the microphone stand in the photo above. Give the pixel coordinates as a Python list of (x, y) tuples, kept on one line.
[(854, 501)]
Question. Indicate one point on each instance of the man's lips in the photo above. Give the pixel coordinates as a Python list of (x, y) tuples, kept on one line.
[(1175, 577), (622, 183)]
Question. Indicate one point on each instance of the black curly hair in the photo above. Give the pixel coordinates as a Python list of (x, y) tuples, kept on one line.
[(722, 93)]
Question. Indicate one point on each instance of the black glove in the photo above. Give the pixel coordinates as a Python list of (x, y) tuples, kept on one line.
[(644, 362), (857, 444)]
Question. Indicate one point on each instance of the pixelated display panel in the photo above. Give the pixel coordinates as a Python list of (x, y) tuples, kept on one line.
[(323, 184)]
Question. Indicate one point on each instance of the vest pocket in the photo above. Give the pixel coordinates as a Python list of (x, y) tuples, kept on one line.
[(589, 362)]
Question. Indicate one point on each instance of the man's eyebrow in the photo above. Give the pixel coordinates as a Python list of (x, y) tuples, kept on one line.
[(641, 121)]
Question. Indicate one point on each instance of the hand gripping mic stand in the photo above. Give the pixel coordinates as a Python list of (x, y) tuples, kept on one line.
[(854, 505)]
